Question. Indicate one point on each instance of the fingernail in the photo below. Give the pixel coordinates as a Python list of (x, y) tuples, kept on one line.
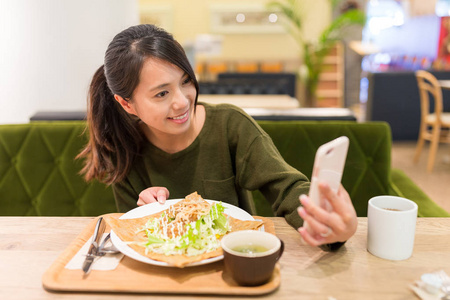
[(301, 211), (324, 184), (304, 200), (161, 199)]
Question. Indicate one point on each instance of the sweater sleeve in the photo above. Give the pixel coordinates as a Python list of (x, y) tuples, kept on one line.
[(281, 184), (262, 167)]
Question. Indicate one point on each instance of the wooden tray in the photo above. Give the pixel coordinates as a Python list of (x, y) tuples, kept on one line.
[(132, 276)]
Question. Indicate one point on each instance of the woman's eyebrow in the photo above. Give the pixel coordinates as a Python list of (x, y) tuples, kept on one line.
[(163, 85)]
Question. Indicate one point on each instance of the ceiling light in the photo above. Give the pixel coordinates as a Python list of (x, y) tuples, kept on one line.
[(240, 18), (273, 18)]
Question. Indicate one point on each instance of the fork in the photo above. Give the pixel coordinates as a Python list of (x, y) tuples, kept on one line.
[(102, 250), (445, 284)]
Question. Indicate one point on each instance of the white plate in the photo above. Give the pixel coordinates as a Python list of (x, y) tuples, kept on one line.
[(154, 208)]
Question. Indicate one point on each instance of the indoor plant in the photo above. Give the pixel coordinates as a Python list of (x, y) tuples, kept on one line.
[(313, 52)]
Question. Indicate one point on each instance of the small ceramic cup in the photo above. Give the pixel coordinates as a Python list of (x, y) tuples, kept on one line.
[(391, 227), (250, 256)]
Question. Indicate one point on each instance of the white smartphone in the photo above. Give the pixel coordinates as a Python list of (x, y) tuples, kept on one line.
[(328, 166)]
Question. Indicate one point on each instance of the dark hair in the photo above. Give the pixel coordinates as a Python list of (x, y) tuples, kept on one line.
[(114, 135)]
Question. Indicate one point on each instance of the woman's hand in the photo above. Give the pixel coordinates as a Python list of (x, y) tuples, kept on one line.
[(153, 194), (326, 227)]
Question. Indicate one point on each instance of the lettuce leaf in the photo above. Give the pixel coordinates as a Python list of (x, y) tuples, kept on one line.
[(219, 219), (153, 239)]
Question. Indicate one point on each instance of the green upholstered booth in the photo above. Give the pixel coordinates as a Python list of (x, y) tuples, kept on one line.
[(39, 173), (367, 170)]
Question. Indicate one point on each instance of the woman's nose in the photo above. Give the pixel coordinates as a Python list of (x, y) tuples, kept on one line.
[(180, 100)]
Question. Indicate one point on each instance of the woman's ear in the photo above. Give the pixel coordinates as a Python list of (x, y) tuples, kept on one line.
[(126, 105)]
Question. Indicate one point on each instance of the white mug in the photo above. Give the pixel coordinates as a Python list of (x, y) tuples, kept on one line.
[(391, 227)]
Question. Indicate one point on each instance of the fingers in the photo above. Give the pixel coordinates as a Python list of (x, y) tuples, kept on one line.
[(340, 202), (306, 236), (320, 216), (140, 202), (313, 225), (332, 197), (162, 195), (153, 194), (313, 231), (322, 226), (328, 226), (342, 206), (145, 197)]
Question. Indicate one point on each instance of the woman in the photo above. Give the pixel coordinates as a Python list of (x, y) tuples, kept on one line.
[(150, 138)]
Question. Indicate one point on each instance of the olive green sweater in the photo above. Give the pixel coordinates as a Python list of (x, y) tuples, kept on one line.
[(230, 156)]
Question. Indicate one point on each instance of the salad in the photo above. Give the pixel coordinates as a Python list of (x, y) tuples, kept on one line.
[(187, 232), (191, 227)]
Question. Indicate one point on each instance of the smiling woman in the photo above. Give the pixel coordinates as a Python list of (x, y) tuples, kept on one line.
[(164, 100), (150, 138), (115, 133)]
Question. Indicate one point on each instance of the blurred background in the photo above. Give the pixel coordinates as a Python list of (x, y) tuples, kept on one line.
[(49, 49)]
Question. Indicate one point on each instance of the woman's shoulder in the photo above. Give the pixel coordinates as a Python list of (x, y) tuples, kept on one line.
[(233, 118), (226, 111)]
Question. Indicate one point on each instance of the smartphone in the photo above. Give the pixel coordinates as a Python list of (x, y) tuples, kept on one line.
[(328, 166)]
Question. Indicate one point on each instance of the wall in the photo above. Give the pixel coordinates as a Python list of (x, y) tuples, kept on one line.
[(190, 18), (49, 50), (193, 17)]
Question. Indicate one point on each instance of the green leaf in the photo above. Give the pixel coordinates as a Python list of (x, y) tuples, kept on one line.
[(314, 53), (152, 240), (221, 224), (216, 210), (289, 9), (334, 31)]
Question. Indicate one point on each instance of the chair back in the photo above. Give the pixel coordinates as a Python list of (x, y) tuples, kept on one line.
[(429, 85)]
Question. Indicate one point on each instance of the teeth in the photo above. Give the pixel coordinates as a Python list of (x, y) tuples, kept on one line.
[(180, 117)]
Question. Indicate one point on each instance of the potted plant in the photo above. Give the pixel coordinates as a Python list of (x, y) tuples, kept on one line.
[(314, 51)]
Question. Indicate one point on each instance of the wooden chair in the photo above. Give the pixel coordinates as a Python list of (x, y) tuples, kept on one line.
[(434, 126)]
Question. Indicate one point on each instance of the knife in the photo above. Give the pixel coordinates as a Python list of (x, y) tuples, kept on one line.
[(93, 249)]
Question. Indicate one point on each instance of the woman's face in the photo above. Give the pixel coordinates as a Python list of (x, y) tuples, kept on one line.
[(164, 98)]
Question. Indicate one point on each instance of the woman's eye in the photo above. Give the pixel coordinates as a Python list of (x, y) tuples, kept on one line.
[(187, 80), (162, 94)]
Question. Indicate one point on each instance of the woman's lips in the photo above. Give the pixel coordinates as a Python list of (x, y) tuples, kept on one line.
[(181, 118)]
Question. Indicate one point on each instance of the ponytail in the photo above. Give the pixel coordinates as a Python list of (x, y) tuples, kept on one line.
[(114, 135)]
